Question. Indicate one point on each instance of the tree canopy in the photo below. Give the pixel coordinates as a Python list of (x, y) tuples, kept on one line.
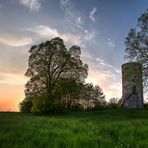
[(56, 78), (137, 45)]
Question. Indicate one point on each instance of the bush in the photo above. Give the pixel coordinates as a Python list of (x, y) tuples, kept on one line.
[(114, 103), (99, 106), (42, 104), (26, 105), (146, 105)]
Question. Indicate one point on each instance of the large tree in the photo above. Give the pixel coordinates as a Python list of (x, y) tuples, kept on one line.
[(48, 63), (137, 45)]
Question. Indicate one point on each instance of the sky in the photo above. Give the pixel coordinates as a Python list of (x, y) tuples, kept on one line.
[(99, 27)]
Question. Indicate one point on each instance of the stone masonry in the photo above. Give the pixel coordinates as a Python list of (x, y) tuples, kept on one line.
[(132, 87)]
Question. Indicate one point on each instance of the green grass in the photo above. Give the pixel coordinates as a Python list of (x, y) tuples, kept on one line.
[(99, 129)]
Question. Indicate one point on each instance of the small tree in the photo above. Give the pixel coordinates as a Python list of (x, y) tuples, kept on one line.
[(114, 102), (92, 96)]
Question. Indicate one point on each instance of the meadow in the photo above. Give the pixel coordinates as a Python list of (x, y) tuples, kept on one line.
[(96, 129)]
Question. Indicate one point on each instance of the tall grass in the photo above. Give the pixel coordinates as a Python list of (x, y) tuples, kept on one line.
[(100, 129)]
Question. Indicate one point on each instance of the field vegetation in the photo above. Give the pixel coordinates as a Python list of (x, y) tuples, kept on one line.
[(95, 129)]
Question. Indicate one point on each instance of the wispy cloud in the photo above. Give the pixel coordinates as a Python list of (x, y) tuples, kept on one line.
[(79, 20), (100, 72), (76, 21), (14, 41), (111, 43), (107, 80), (12, 79), (66, 5), (31, 4), (92, 14), (105, 75), (43, 32), (46, 32), (73, 19)]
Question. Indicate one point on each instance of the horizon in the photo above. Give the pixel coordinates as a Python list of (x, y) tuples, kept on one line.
[(98, 27)]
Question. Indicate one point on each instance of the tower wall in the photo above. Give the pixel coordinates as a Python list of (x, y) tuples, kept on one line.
[(132, 87)]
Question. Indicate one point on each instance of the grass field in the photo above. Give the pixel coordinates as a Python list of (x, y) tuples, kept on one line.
[(99, 129)]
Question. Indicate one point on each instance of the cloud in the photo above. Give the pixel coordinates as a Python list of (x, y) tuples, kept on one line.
[(85, 36), (103, 74), (111, 43), (43, 32), (73, 19), (100, 72), (90, 36), (92, 14), (46, 32), (66, 5), (107, 80), (79, 20), (31, 4), (106, 65), (12, 79), (14, 41)]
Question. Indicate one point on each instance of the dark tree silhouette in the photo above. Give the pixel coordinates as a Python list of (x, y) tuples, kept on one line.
[(48, 63), (137, 45), (57, 79)]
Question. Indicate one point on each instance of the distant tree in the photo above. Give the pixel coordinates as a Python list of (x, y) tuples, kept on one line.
[(137, 45), (114, 102), (93, 96), (99, 96), (48, 63)]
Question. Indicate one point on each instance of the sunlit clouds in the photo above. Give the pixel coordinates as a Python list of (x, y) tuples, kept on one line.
[(15, 41), (43, 32), (12, 79), (31, 4), (104, 75)]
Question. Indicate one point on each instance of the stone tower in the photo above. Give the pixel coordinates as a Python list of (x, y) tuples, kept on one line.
[(132, 87)]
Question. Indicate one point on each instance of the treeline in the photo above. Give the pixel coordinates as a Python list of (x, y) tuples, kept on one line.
[(57, 80)]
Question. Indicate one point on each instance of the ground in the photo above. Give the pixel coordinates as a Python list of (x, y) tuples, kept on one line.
[(97, 129)]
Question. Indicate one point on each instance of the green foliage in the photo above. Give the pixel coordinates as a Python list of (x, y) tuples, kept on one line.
[(146, 105), (41, 104), (26, 105), (93, 96), (50, 64), (114, 103), (68, 92), (137, 45), (99, 129), (57, 77)]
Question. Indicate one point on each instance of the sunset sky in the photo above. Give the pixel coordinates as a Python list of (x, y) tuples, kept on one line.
[(99, 27)]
